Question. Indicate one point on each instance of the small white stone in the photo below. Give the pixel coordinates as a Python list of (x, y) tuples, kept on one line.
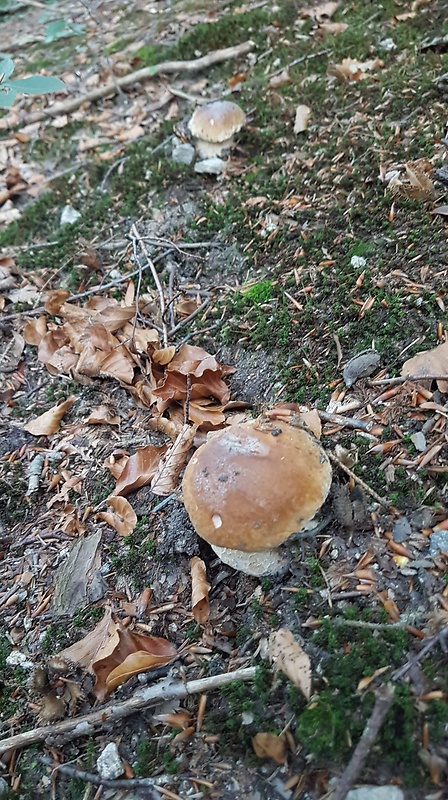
[(358, 262), (18, 659), (210, 166), (418, 440), (109, 763), (387, 44), (376, 793), (247, 717), (69, 215), (182, 152)]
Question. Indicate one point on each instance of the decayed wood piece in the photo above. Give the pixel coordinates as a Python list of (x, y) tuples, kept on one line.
[(150, 696), (112, 87)]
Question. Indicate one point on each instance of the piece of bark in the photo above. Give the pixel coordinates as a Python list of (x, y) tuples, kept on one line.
[(78, 580)]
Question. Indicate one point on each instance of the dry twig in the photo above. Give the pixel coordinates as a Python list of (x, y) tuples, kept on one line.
[(109, 89), (358, 480), (408, 378), (348, 422), (97, 780), (441, 636), (136, 236), (144, 698), (383, 702)]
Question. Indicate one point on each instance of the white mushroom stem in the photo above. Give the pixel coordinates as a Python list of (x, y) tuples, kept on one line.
[(265, 562), (210, 149)]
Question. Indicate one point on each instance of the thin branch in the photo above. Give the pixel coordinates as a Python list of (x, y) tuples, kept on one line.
[(439, 637), (142, 699), (97, 780), (383, 702), (109, 89), (190, 317), (373, 626), (348, 422), (358, 480), (150, 263), (296, 61), (408, 378)]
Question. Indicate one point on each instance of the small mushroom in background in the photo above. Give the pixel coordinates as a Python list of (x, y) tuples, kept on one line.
[(251, 486), (214, 126)]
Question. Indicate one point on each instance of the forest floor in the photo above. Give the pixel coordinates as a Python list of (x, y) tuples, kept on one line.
[(323, 239)]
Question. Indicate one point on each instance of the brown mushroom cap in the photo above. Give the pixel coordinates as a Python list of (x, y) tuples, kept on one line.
[(217, 122), (254, 484)]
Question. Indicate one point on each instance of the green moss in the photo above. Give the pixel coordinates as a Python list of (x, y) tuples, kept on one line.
[(88, 617), (259, 292), (55, 639), (147, 757), (331, 725), (129, 555)]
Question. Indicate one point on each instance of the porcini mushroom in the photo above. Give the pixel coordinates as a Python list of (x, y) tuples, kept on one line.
[(214, 125), (252, 485)]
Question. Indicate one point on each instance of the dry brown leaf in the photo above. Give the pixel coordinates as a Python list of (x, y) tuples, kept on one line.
[(179, 719), (270, 745), (352, 70), (331, 27), (200, 588), (124, 519), (322, 11), (55, 299), (97, 644), (140, 661), (287, 656), (115, 668), (118, 364), (35, 330), (102, 415), (414, 181), (303, 114), (430, 362), (140, 469), (283, 79), (116, 463), (186, 307), (165, 479), (48, 423), (113, 654), (365, 682), (164, 356)]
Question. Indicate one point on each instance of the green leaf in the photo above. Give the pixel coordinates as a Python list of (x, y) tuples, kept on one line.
[(6, 67), (60, 29), (36, 84), (7, 98)]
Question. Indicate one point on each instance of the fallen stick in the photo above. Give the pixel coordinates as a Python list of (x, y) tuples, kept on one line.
[(142, 699), (383, 702), (406, 378), (97, 780), (358, 480), (112, 87), (347, 422)]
